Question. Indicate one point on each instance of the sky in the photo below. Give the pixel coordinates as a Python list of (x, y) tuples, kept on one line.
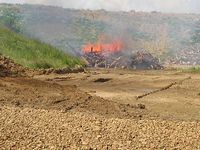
[(175, 6)]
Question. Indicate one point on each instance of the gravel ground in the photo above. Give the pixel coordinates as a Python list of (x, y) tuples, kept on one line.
[(28, 128)]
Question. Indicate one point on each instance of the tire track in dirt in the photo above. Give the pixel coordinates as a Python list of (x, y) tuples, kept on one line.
[(162, 89)]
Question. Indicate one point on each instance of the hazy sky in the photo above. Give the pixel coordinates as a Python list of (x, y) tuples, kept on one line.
[(178, 6)]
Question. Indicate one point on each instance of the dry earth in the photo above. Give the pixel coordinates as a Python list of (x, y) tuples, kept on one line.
[(99, 109)]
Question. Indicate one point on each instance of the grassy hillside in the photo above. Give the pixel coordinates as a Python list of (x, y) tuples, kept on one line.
[(32, 53)]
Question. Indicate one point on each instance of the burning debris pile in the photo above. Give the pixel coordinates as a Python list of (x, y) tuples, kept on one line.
[(111, 56), (9, 68), (107, 60), (189, 56)]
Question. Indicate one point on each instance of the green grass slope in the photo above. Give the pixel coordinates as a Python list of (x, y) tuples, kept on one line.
[(191, 70), (32, 53)]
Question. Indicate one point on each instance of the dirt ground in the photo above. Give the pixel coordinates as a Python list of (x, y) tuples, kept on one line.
[(179, 102), (101, 109)]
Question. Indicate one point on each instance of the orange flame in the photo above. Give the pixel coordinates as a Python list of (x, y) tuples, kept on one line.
[(99, 47)]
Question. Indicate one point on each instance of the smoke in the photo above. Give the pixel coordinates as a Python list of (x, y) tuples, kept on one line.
[(177, 6)]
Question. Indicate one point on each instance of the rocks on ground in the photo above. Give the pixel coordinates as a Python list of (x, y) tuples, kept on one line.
[(29, 128)]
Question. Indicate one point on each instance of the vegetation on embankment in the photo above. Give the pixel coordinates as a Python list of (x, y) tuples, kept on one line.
[(192, 70), (32, 53)]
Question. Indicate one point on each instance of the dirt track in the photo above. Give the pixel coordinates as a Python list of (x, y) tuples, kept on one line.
[(180, 102), (99, 110)]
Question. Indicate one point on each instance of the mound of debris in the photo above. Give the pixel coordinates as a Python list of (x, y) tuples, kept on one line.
[(137, 60), (187, 56), (9, 68), (145, 60)]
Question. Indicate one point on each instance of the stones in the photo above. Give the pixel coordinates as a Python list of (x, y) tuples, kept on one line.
[(42, 129), (141, 106)]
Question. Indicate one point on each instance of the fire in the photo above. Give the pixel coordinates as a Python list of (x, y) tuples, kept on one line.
[(99, 47)]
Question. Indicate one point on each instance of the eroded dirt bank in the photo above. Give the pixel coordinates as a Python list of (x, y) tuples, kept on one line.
[(99, 109), (25, 92)]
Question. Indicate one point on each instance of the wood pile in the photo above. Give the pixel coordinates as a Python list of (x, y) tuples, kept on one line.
[(145, 60), (138, 60)]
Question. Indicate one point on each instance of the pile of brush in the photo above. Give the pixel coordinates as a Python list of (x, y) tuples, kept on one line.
[(187, 56), (145, 60), (138, 60)]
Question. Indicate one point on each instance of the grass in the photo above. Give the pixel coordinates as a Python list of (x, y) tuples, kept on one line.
[(32, 53), (192, 70)]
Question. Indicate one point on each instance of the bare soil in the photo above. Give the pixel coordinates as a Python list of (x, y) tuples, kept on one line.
[(100, 109)]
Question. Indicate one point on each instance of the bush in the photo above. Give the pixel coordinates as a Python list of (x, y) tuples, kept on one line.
[(11, 18)]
